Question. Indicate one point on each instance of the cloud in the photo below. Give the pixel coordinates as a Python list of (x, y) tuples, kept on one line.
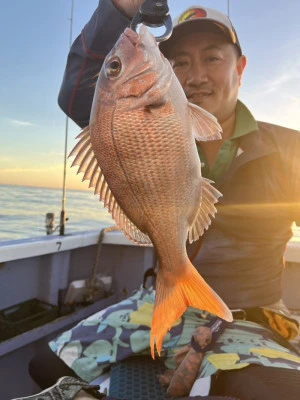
[(277, 99), (288, 74), (20, 124), (277, 83)]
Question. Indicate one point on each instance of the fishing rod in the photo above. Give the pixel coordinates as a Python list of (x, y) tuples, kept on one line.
[(63, 218), (50, 217)]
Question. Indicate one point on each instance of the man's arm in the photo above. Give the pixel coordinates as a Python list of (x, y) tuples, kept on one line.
[(87, 54)]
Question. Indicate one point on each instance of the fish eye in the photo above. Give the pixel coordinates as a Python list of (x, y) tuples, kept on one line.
[(113, 67)]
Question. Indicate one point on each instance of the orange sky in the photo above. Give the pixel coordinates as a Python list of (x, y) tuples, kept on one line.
[(51, 177)]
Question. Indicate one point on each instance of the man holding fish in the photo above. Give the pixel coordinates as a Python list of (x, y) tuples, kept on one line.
[(141, 109)]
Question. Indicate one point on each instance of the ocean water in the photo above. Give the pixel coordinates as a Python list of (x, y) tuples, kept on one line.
[(23, 211)]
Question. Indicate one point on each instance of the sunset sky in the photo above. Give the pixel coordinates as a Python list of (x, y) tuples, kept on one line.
[(34, 48)]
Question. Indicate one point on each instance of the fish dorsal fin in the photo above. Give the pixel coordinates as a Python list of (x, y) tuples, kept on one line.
[(204, 125), (209, 196), (86, 160)]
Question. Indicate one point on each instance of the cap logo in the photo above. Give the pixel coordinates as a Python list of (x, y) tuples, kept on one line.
[(191, 14)]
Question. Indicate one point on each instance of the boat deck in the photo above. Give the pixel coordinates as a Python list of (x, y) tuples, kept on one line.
[(44, 267)]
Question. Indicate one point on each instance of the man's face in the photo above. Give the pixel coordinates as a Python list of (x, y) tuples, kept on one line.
[(209, 70)]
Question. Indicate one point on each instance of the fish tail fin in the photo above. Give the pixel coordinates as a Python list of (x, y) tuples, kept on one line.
[(188, 290)]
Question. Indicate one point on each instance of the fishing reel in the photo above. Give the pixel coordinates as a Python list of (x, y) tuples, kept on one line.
[(50, 224), (154, 13)]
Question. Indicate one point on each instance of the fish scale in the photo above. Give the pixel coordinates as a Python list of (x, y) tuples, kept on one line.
[(143, 153)]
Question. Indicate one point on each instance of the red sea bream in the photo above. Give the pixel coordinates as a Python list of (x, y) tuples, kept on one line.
[(140, 155)]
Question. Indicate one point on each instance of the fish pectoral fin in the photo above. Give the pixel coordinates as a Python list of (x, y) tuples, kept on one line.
[(188, 290), (204, 125), (209, 196), (87, 163)]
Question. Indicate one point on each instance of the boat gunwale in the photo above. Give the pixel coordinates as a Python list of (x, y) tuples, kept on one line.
[(37, 246)]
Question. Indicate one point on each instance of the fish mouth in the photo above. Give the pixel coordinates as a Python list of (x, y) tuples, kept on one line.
[(147, 68), (143, 75), (139, 74), (132, 36), (135, 40)]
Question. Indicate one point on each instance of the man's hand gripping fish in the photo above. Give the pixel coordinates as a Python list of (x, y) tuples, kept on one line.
[(139, 153)]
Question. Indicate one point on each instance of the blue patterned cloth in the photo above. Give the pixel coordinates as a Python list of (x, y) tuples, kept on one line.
[(123, 330)]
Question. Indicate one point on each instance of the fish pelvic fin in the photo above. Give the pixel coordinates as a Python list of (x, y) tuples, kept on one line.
[(209, 196), (204, 125), (87, 163), (188, 290)]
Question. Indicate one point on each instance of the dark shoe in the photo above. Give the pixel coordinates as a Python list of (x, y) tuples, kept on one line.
[(66, 388)]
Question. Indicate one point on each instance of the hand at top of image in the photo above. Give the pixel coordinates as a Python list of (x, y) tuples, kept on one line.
[(128, 7)]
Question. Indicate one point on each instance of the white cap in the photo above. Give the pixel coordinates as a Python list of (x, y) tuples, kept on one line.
[(201, 19)]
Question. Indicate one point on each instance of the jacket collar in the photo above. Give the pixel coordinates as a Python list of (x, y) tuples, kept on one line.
[(252, 146)]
